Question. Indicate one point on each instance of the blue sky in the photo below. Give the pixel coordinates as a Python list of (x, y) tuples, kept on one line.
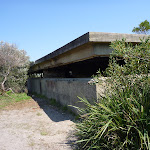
[(41, 26)]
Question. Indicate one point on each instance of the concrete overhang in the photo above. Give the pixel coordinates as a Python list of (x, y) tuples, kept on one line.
[(89, 45)]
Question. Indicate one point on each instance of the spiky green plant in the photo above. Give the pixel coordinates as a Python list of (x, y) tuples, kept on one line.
[(121, 117)]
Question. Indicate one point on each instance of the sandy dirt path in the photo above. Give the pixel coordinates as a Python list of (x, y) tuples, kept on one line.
[(34, 126)]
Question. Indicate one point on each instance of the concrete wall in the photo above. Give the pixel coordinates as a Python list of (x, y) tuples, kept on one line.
[(65, 90)]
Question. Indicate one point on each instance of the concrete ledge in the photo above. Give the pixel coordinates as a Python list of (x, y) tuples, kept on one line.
[(109, 37), (65, 91)]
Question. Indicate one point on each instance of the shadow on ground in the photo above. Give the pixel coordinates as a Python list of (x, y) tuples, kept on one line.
[(57, 115), (53, 112)]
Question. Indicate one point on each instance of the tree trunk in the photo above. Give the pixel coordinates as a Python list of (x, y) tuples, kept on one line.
[(5, 79), (3, 83)]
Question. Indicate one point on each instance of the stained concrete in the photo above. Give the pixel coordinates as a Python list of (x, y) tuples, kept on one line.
[(65, 90)]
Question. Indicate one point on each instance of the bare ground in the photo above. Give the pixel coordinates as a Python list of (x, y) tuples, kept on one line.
[(33, 125)]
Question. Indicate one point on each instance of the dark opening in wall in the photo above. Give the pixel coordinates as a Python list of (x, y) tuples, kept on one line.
[(82, 69)]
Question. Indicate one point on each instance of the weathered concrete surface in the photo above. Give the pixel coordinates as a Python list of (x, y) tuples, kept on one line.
[(64, 90), (109, 37), (89, 45)]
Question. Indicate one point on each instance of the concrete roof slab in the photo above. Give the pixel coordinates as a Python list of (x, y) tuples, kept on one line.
[(109, 37), (84, 44)]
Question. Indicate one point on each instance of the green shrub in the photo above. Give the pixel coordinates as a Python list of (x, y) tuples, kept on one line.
[(14, 64), (121, 118)]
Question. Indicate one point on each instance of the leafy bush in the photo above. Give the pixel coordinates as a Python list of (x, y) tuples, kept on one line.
[(121, 117), (17, 79)]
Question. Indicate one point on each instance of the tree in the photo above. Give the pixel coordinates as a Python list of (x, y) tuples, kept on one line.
[(144, 28), (13, 63)]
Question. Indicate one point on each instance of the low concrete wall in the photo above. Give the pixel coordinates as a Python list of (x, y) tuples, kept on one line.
[(65, 90)]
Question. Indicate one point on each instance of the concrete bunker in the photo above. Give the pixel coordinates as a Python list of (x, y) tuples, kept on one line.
[(64, 74)]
